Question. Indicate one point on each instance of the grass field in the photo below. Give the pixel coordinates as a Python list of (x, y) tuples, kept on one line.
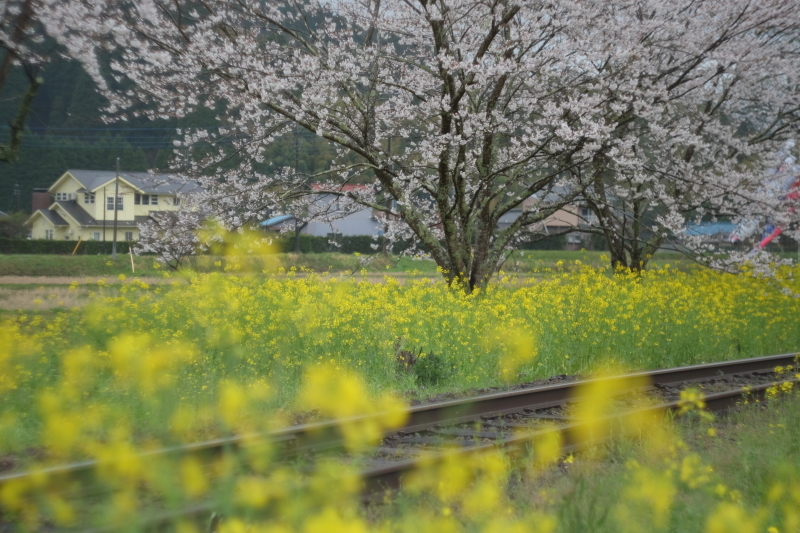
[(42, 282), (95, 265), (140, 362), (181, 344)]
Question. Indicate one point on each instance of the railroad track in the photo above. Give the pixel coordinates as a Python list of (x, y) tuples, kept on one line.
[(511, 420)]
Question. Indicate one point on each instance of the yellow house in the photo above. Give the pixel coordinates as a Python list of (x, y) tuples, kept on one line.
[(81, 204)]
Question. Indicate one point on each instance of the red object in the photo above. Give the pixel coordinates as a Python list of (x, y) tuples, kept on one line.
[(768, 238)]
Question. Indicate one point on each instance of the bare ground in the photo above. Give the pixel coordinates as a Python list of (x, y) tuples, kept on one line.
[(66, 280), (31, 293), (41, 298)]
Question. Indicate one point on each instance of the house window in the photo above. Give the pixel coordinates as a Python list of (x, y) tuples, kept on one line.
[(145, 199), (96, 235), (176, 200), (88, 197), (48, 234), (62, 196), (129, 236), (110, 203)]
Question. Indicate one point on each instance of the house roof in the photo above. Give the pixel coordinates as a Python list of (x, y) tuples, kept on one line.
[(340, 188), (710, 228), (54, 218), (275, 220), (144, 181), (550, 196), (76, 212), (83, 218)]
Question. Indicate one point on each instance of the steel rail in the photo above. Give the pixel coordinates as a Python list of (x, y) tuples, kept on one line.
[(378, 481), (326, 435)]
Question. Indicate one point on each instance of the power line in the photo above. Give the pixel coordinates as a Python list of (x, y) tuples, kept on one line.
[(146, 137), (172, 129), (100, 137), (94, 147), (125, 129), (142, 141)]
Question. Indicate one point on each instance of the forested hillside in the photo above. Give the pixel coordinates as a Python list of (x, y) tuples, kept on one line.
[(65, 130)]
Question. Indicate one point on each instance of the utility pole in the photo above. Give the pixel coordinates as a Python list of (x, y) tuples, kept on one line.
[(385, 243), (116, 209), (17, 201)]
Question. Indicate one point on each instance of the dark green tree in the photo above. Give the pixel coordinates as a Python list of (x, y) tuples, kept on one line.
[(22, 21)]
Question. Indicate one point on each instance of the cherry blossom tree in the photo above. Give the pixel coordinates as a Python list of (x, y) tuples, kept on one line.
[(714, 96), (617, 103)]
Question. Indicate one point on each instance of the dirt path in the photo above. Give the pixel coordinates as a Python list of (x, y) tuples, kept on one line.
[(36, 293), (66, 280)]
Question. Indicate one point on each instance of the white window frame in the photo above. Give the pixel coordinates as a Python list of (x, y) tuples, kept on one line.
[(96, 236), (88, 197), (62, 196), (110, 203), (128, 236), (48, 234), (176, 200), (153, 199)]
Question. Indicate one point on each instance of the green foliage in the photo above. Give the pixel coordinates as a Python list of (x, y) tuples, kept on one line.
[(308, 244), (13, 226), (557, 242), (9, 152), (42, 246), (59, 266), (431, 369), (350, 244), (584, 510)]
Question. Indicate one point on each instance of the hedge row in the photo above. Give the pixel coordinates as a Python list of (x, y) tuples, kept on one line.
[(309, 244), (41, 246), (365, 244), (557, 242), (351, 244)]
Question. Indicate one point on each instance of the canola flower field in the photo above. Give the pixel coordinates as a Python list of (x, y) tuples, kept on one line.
[(157, 365)]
